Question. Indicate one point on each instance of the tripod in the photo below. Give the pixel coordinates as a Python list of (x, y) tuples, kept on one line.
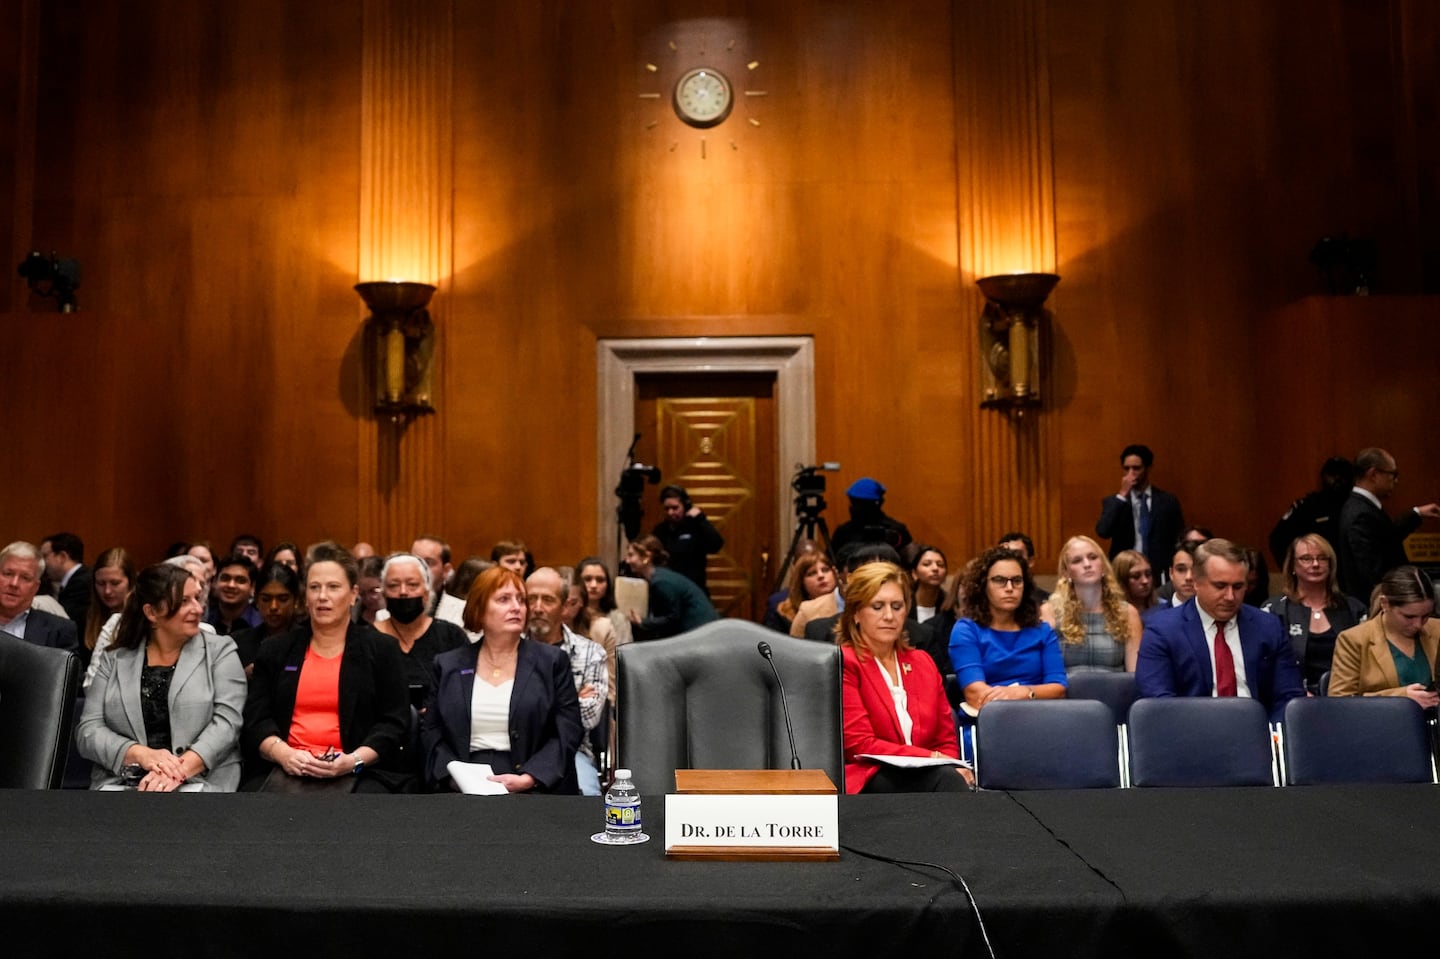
[(808, 523)]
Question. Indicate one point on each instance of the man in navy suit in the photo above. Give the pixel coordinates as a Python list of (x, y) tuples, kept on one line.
[(1371, 544), (19, 582), (1140, 516), (64, 557), (1179, 653)]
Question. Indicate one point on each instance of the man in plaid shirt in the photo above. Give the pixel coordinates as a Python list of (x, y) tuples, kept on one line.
[(545, 594)]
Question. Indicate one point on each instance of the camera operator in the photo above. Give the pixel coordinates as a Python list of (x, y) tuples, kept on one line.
[(868, 522), (686, 535)]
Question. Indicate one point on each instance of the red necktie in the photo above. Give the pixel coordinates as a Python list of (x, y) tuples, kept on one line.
[(1224, 663)]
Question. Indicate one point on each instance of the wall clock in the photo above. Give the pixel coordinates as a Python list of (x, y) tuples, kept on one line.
[(703, 97)]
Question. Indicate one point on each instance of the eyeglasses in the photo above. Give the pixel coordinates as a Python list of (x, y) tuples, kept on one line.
[(1000, 582), (1393, 474), (1312, 560)]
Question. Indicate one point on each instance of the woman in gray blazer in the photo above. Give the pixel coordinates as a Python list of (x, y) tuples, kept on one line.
[(166, 696)]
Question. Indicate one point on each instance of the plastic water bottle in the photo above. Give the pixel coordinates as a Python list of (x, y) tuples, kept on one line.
[(622, 810)]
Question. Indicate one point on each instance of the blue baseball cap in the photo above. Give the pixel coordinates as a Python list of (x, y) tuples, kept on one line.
[(866, 488)]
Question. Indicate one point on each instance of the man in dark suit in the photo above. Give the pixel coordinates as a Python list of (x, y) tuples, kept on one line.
[(19, 582), (1140, 516), (1371, 544), (64, 556), (1215, 645)]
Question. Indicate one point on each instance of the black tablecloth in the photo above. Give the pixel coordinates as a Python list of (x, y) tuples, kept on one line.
[(1142, 872)]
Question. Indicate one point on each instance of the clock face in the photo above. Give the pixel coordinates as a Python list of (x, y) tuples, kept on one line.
[(703, 97)]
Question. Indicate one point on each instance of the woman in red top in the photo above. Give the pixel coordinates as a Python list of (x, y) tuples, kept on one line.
[(893, 700), (328, 699)]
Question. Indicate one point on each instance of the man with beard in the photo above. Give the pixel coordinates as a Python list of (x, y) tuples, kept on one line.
[(545, 593)]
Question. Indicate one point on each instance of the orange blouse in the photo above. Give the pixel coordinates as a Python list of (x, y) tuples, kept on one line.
[(315, 724)]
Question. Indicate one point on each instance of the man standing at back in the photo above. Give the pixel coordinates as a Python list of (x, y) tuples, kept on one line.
[(1371, 544), (64, 557), (1140, 516), (1216, 645)]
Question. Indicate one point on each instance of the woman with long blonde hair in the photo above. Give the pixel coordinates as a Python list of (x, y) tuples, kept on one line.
[(1098, 628)]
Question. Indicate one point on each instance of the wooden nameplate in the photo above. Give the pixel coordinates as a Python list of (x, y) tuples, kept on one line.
[(752, 815)]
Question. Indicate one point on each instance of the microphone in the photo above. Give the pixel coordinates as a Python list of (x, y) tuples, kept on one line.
[(764, 649)]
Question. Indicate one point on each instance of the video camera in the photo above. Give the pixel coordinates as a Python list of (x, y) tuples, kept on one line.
[(809, 487)]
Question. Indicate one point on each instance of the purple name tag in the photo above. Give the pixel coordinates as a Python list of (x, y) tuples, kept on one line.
[(467, 672), (292, 669)]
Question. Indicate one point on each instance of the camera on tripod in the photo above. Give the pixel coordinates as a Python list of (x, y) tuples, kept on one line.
[(809, 487)]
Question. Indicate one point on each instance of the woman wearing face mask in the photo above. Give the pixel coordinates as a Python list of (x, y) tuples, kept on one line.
[(1394, 653), (405, 581)]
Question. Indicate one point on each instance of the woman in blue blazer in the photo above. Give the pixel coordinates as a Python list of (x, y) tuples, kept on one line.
[(507, 701)]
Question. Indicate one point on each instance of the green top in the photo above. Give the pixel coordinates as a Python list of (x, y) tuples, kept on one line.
[(1411, 669)]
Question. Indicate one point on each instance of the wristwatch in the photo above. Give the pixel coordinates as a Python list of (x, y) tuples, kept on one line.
[(358, 768)]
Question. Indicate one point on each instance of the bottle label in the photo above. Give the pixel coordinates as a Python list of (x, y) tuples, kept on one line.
[(619, 816)]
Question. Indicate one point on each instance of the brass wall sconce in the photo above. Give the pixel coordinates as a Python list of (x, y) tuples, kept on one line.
[(400, 342), (1011, 340)]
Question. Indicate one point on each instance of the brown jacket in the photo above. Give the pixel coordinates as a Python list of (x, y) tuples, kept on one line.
[(1363, 666)]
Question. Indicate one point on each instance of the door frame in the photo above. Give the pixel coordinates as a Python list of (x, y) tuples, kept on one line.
[(619, 361)]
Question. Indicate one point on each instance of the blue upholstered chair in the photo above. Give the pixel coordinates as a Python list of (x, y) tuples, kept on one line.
[(1194, 741), (1353, 739), (1047, 744)]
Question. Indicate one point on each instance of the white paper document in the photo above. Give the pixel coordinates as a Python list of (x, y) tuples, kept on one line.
[(474, 779), (915, 762)]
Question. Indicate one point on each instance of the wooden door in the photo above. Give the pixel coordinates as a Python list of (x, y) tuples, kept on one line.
[(714, 434)]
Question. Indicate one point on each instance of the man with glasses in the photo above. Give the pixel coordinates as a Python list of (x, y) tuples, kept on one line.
[(1371, 544), (1216, 645)]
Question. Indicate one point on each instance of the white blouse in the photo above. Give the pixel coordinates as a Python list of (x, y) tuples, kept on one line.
[(490, 715), (902, 702)]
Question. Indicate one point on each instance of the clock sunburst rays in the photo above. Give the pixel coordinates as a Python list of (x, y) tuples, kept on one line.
[(701, 96)]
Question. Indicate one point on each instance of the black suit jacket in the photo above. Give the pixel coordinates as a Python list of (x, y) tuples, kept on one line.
[(75, 597), (545, 727), (47, 629), (921, 636), (1167, 521), (1371, 544), (374, 701)]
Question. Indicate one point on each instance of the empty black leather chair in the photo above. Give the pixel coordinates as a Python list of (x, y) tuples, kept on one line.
[(38, 686), (1197, 741), (1114, 689), (1356, 739), (707, 700), (1047, 744)]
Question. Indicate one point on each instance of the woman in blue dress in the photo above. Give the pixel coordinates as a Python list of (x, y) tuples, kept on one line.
[(999, 647)]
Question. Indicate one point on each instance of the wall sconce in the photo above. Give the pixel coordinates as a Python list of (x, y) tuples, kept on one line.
[(1010, 340), (400, 341)]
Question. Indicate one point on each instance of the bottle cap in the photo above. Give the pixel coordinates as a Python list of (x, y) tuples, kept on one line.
[(622, 774)]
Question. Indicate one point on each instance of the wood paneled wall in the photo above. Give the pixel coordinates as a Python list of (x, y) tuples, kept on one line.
[(227, 172)]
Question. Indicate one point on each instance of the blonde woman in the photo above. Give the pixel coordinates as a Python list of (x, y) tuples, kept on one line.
[(892, 700), (1098, 629)]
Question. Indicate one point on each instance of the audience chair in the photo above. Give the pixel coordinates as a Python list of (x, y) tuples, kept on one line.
[(1359, 739), (38, 690), (1198, 741), (1325, 683), (708, 700), (1114, 689), (1047, 744)]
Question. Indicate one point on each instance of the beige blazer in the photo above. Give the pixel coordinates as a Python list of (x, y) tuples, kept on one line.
[(818, 608), (1363, 666)]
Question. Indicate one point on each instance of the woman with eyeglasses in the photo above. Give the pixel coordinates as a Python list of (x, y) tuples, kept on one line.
[(999, 647), (1395, 652), (1312, 607)]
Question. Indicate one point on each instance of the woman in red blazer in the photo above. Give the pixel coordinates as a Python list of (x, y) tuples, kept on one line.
[(893, 700)]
